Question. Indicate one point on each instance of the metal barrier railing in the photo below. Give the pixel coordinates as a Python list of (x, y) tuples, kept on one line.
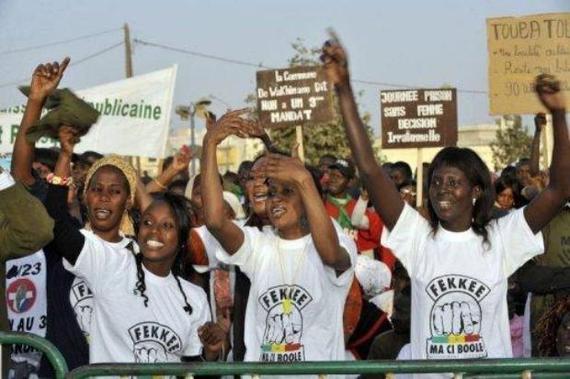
[(523, 375), (52, 354), (534, 368), (488, 368)]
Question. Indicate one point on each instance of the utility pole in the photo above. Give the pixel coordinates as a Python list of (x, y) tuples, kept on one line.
[(128, 52), (135, 161)]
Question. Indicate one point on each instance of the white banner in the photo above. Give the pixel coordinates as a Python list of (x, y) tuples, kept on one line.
[(135, 117)]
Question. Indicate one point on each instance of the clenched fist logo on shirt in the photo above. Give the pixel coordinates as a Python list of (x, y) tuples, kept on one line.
[(149, 352), (282, 338), (456, 318)]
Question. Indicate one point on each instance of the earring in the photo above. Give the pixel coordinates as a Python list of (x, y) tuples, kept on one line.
[(474, 200)]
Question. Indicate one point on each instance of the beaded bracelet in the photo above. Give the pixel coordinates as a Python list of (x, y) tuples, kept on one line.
[(58, 180)]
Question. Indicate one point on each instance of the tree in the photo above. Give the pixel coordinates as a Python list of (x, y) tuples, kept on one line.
[(318, 139), (511, 144)]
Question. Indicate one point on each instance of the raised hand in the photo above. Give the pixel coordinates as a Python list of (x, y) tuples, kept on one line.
[(548, 90), (335, 61), (285, 169), (46, 78), (232, 123), (67, 138), (210, 120), (254, 128), (182, 159)]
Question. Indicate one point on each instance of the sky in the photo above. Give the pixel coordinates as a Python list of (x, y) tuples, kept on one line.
[(418, 43)]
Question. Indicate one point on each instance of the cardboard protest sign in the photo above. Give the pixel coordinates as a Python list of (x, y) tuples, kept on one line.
[(293, 96), (135, 117), (520, 48), (419, 118)]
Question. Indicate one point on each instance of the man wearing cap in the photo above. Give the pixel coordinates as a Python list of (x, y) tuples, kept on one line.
[(354, 217)]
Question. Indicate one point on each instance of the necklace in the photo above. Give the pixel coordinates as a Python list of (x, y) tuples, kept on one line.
[(287, 303)]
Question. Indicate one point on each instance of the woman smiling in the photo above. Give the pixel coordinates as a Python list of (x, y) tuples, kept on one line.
[(163, 318), (460, 261), (300, 268)]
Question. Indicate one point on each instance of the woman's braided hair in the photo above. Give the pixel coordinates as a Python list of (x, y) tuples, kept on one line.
[(547, 326), (179, 206)]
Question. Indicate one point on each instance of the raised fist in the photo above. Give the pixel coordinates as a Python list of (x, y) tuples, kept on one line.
[(548, 90), (46, 78)]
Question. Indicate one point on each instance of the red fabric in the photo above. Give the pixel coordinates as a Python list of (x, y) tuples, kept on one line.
[(352, 309), (365, 239), (196, 251), (386, 256), (222, 291)]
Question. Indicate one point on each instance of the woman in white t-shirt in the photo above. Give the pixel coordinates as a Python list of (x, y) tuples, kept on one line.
[(460, 261), (204, 246), (142, 310), (300, 270)]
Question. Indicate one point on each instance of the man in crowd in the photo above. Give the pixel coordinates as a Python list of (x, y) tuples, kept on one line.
[(354, 217)]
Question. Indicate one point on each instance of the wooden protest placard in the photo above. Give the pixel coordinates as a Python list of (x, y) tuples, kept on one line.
[(293, 96), (520, 48), (419, 118)]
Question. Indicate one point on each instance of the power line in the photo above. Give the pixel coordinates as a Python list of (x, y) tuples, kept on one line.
[(74, 63), (97, 53), (55, 43), (202, 55), (381, 84), (260, 65)]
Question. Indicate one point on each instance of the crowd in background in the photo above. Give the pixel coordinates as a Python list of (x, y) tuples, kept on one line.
[(283, 262)]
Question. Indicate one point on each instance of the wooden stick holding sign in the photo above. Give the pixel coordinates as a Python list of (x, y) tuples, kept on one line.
[(420, 179), (299, 141)]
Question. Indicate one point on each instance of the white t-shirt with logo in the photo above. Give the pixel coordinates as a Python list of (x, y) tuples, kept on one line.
[(123, 329), (81, 297), (459, 285), (295, 306)]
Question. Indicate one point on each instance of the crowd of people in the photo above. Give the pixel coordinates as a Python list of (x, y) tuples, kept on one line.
[(283, 262)]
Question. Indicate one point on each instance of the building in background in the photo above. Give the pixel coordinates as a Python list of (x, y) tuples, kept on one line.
[(235, 150), (476, 137), (231, 152)]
